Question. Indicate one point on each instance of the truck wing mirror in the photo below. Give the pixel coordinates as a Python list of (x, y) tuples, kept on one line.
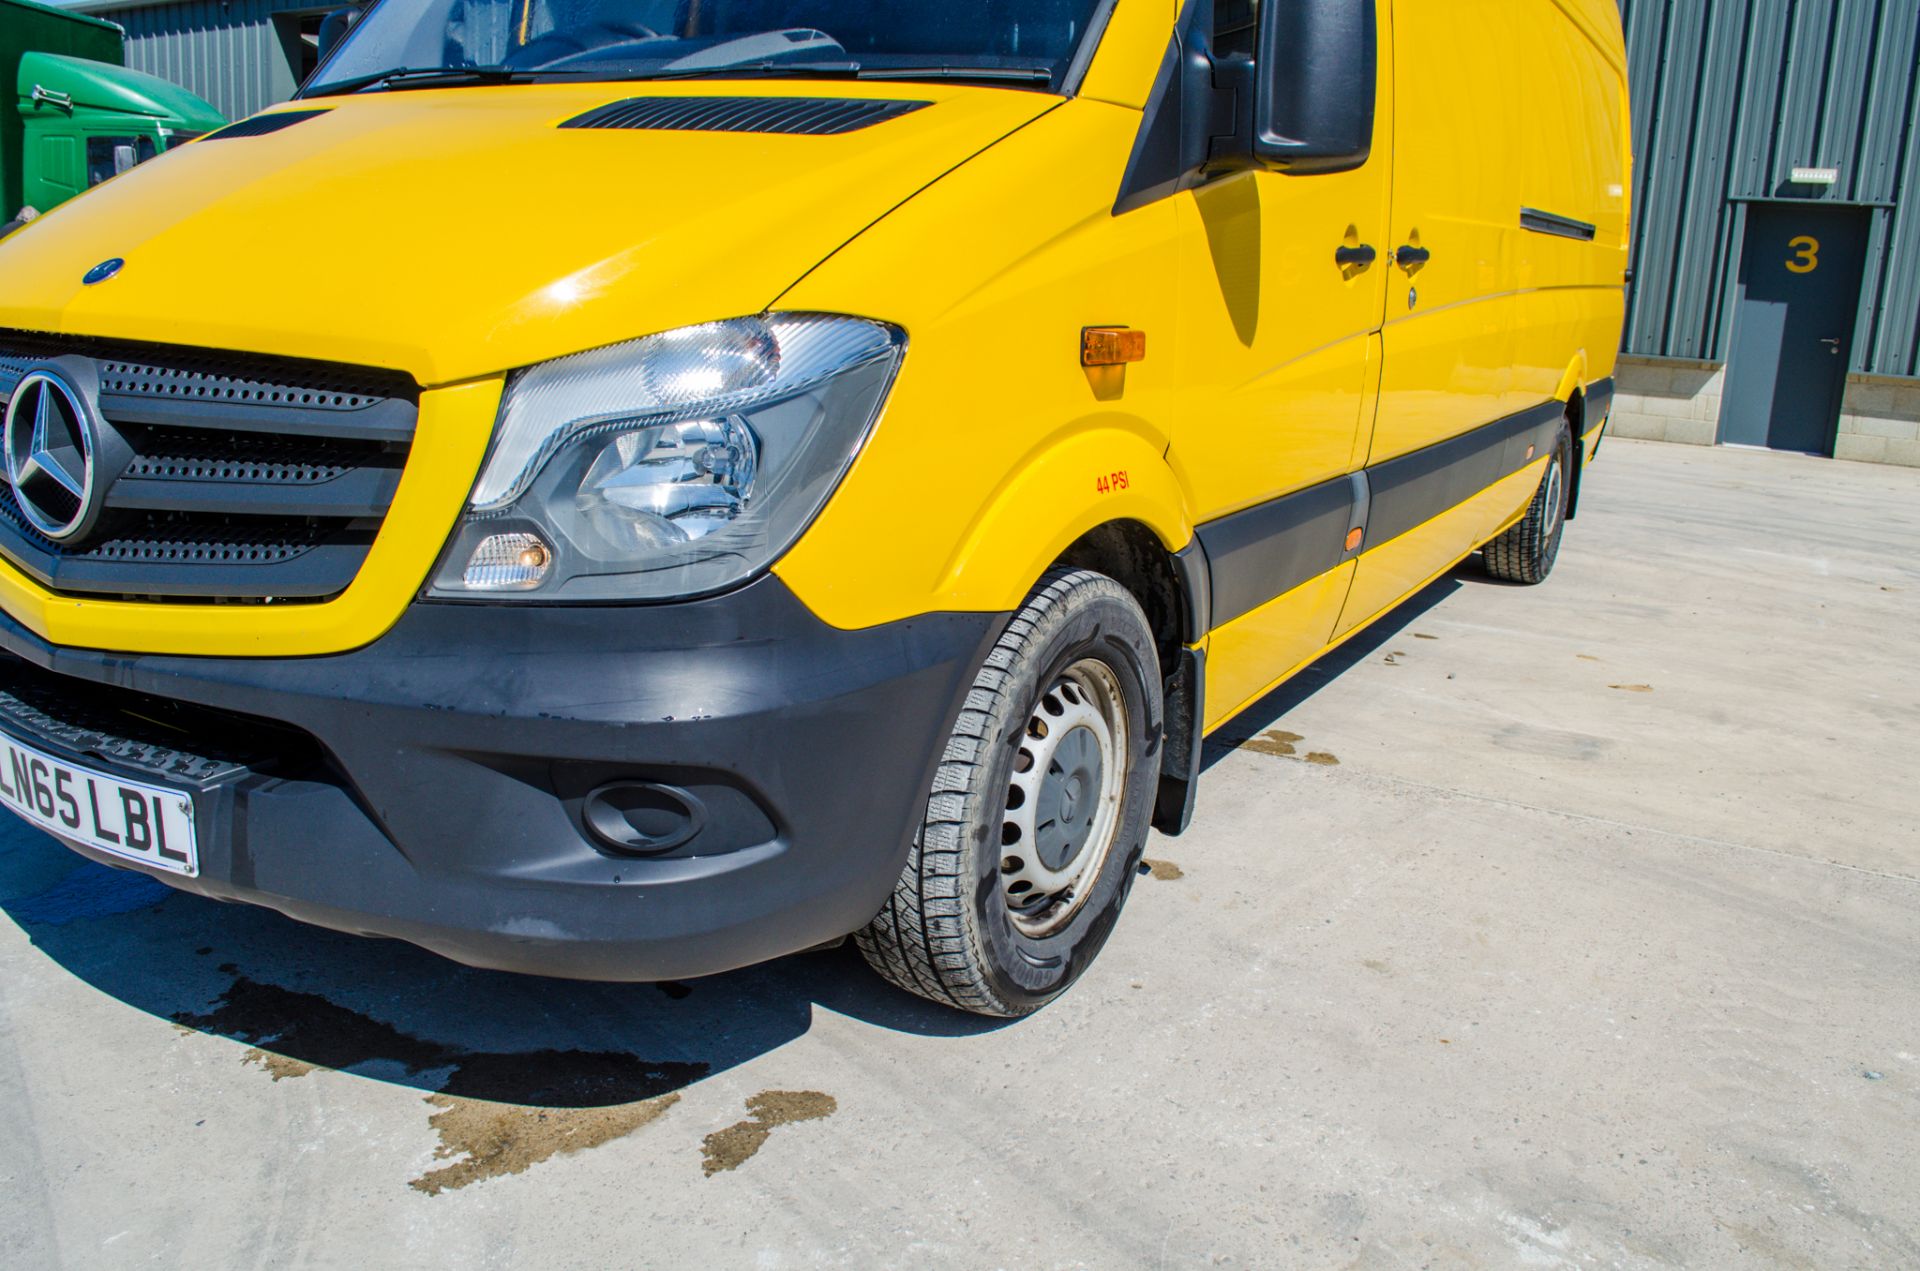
[(334, 28), (1314, 85)]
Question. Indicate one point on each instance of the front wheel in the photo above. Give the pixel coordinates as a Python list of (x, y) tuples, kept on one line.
[(1526, 551), (1039, 810)]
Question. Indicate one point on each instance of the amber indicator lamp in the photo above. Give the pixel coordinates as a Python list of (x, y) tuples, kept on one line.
[(1112, 346)]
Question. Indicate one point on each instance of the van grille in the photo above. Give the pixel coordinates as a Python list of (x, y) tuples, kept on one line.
[(250, 478)]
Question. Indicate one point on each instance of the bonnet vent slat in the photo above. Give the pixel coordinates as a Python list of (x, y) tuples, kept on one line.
[(261, 125), (798, 116)]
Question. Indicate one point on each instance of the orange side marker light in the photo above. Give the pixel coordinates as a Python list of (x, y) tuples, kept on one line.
[(1355, 537), (1112, 346)]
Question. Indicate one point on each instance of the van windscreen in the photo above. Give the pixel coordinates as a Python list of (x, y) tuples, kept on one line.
[(420, 42)]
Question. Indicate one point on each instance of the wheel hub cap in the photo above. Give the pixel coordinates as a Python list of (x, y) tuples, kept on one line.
[(1063, 798), (1063, 819)]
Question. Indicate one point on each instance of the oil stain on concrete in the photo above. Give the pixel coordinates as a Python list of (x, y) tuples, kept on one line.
[(1165, 871), (732, 1147), (1282, 744), (498, 1112), (488, 1140)]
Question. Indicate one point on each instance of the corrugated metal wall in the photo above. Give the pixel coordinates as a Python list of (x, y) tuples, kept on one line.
[(1729, 96), (226, 51)]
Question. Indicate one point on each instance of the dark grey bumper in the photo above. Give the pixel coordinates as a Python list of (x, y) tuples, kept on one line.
[(431, 786)]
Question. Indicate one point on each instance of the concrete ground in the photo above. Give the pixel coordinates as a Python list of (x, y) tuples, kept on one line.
[(1598, 945)]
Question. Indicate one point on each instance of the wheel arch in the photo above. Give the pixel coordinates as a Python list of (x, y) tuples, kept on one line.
[(1572, 392), (1576, 416), (1063, 491), (1173, 588)]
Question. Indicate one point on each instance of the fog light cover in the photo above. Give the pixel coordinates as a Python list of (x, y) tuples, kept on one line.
[(507, 562)]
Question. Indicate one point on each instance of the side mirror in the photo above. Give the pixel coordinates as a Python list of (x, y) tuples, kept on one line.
[(1303, 103), (1314, 85), (334, 28)]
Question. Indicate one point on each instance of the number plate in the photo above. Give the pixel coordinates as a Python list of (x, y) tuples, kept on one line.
[(147, 824)]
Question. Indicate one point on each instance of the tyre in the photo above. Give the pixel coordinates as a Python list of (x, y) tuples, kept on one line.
[(1526, 551), (1038, 814)]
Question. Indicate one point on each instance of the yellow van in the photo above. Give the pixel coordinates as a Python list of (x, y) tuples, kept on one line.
[(625, 489)]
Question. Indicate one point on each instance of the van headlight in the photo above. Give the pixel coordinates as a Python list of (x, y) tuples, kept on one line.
[(670, 466)]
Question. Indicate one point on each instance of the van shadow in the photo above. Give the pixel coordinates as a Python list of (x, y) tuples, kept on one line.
[(1272, 708), (300, 998)]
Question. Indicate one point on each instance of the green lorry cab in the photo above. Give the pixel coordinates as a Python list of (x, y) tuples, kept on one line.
[(71, 115)]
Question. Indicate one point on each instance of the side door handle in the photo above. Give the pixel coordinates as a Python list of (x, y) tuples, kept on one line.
[(1411, 258), (1361, 257)]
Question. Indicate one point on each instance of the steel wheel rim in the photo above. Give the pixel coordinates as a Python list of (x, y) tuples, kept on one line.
[(1064, 798), (1550, 524)]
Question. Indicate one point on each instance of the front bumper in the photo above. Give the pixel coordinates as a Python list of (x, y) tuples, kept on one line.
[(431, 785)]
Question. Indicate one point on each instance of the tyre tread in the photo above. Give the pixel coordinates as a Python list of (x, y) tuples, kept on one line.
[(924, 940), (1518, 555)]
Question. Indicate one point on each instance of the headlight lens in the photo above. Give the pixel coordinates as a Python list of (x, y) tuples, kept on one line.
[(670, 466)]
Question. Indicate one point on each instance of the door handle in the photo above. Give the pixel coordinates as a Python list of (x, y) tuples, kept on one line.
[(1361, 257), (1833, 345), (1411, 258)]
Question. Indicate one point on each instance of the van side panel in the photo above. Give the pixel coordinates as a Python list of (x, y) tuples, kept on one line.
[(1511, 154), (1006, 448), (1241, 665), (1450, 320), (1279, 366), (1573, 296)]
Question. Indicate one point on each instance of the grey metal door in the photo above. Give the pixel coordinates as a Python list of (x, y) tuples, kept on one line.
[(1793, 325)]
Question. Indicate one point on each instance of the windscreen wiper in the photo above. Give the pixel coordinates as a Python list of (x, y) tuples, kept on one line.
[(854, 70), (425, 77), (799, 70), (988, 74)]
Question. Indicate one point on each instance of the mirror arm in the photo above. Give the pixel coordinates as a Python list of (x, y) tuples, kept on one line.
[(1230, 140), (1198, 121)]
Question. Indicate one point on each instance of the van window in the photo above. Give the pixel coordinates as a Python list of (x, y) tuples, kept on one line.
[(632, 39)]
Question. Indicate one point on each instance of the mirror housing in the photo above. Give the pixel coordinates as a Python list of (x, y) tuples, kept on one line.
[(1303, 104), (1315, 85), (334, 28)]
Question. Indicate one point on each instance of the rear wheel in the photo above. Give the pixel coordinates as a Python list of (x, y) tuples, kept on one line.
[(1525, 552), (1039, 811)]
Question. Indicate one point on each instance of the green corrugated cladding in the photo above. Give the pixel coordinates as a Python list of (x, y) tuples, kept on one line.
[(26, 27), (1729, 96)]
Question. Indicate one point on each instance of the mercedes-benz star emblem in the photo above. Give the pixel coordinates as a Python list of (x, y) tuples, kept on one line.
[(49, 440), (104, 270)]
